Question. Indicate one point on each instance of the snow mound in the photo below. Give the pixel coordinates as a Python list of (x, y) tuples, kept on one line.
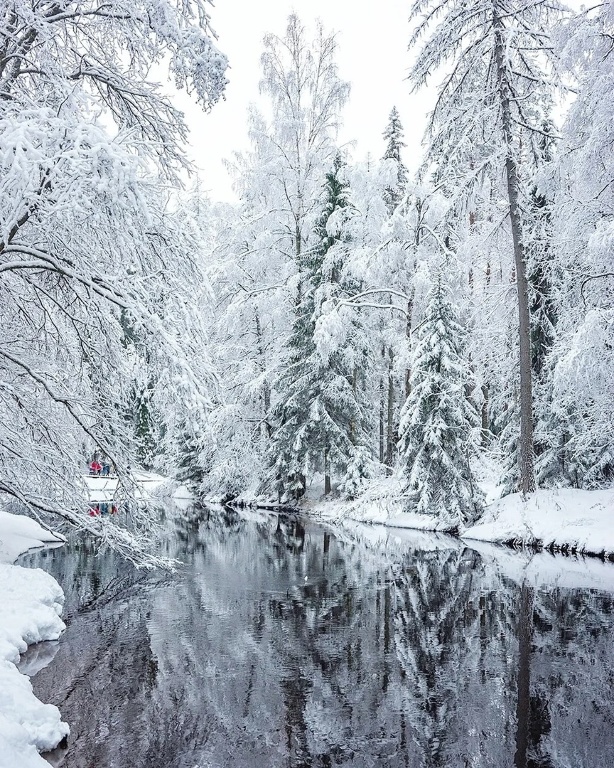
[(19, 533), (30, 606), (565, 518)]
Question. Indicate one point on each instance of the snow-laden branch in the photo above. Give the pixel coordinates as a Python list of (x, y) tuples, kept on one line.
[(588, 279), (46, 261)]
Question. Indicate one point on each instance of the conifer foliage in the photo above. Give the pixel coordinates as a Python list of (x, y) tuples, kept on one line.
[(437, 418), (323, 323), (319, 416), (393, 135)]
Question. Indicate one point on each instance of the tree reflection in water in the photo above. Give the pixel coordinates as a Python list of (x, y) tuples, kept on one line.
[(282, 643)]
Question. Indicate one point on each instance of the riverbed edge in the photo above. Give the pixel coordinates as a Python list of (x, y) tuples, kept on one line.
[(566, 520)]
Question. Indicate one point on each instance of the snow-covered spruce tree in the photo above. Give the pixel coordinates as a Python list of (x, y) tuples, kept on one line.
[(436, 440), (88, 151), (486, 122), (393, 135), (360, 316), (320, 421)]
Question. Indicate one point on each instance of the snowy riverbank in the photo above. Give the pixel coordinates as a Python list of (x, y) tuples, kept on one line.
[(566, 519), (30, 607)]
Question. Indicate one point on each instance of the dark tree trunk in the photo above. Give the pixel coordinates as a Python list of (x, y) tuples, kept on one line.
[(382, 428), (523, 705), (526, 455), (390, 411), (266, 390), (485, 431), (327, 485)]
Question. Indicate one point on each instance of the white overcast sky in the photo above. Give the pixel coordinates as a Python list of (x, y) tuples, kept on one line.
[(372, 54)]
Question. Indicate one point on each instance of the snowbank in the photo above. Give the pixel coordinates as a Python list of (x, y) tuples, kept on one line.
[(30, 606), (567, 519), (582, 521), (18, 534)]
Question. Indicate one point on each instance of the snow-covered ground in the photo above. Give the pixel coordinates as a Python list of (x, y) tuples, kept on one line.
[(30, 607), (580, 521)]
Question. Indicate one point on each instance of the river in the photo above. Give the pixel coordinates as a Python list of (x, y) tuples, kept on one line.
[(281, 642)]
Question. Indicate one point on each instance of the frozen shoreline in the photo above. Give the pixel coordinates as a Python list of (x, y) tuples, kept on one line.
[(568, 519), (31, 603)]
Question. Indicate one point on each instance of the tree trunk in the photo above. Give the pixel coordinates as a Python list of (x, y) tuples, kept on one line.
[(327, 485), (412, 292), (390, 411), (526, 457), (485, 431), (266, 390), (523, 704), (381, 422), (408, 329), (353, 425)]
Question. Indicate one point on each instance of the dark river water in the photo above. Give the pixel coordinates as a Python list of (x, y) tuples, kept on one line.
[(279, 642)]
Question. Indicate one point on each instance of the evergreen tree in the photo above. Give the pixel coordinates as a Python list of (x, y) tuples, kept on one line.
[(437, 419), (319, 415), (393, 134)]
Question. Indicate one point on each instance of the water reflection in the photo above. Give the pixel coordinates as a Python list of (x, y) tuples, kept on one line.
[(281, 643)]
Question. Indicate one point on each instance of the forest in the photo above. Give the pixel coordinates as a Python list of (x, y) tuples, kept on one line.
[(346, 323)]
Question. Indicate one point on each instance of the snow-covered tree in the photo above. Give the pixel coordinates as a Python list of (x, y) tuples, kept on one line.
[(436, 441), (261, 270), (320, 418), (581, 428), (393, 135), (89, 149), (306, 95)]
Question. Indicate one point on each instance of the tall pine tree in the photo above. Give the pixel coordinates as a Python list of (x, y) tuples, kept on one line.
[(437, 419), (393, 134), (320, 421)]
